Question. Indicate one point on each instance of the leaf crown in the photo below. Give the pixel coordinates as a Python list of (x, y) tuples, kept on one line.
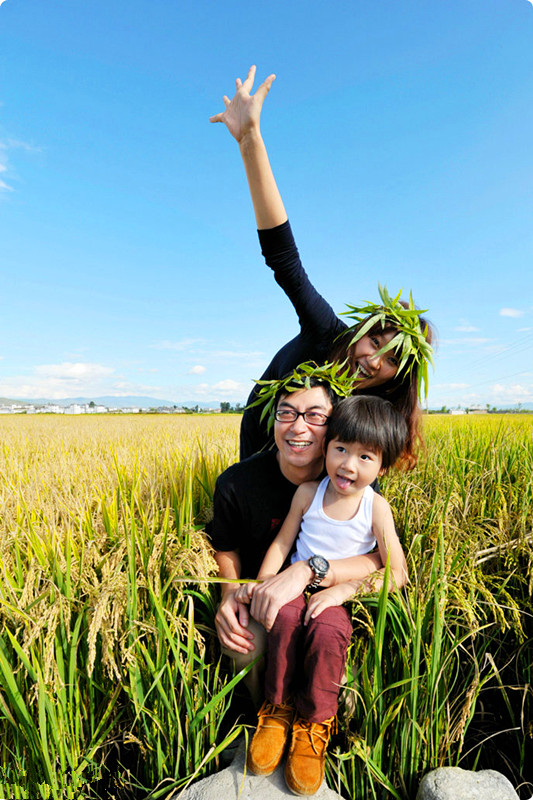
[(336, 376), (410, 342)]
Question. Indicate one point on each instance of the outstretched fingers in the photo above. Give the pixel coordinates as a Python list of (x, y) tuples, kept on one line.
[(264, 89), (249, 80), (220, 117)]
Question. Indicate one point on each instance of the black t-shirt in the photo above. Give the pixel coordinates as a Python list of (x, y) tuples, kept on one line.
[(252, 498)]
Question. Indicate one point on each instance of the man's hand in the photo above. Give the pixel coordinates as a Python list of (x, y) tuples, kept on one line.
[(231, 622), (245, 593), (275, 592)]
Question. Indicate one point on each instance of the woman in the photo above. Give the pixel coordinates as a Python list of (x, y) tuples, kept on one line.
[(393, 373)]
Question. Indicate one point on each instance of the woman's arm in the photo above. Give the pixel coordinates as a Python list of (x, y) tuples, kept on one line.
[(242, 119)]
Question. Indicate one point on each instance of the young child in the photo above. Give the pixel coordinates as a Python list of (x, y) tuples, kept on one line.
[(338, 517)]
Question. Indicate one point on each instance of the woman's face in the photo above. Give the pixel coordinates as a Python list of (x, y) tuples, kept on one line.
[(374, 369)]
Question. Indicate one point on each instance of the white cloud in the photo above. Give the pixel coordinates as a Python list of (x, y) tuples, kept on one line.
[(511, 312), (4, 187), (5, 166), (59, 380), (227, 389), (512, 393), (198, 369), (227, 385), (180, 346), (73, 371), (240, 354), (452, 386), (465, 327), (469, 341)]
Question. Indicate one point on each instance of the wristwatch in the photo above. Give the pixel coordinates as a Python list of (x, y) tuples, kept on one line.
[(320, 567)]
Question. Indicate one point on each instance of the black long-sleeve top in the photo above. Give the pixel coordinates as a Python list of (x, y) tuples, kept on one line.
[(319, 327)]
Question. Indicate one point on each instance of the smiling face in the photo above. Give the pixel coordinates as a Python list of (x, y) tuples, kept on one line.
[(301, 444), (372, 368), (351, 466)]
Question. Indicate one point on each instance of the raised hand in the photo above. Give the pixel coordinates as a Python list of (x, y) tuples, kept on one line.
[(243, 111)]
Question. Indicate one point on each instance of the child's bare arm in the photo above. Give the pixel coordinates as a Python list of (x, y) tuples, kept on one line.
[(281, 546), (389, 547), (326, 598), (354, 568)]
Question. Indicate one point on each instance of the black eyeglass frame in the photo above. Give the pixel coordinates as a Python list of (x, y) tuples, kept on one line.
[(295, 414)]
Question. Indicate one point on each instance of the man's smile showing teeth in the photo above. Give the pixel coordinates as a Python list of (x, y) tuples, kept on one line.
[(294, 443)]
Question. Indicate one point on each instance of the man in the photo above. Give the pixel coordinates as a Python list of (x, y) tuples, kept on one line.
[(251, 501)]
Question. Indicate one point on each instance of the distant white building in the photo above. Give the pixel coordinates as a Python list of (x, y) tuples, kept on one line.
[(75, 408)]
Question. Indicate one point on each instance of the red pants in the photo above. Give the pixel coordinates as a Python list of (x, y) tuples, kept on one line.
[(307, 662)]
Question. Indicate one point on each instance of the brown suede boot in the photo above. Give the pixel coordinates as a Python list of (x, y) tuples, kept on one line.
[(304, 771), (270, 737)]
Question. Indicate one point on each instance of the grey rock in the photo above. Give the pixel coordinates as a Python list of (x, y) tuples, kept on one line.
[(453, 783), (233, 784)]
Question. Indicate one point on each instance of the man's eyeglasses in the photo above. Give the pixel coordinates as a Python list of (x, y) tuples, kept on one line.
[(311, 417)]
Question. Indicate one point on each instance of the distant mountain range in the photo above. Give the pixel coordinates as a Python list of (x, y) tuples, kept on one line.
[(130, 401)]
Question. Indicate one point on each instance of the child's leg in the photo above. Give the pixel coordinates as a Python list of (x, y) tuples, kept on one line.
[(275, 716), (326, 643), (285, 642)]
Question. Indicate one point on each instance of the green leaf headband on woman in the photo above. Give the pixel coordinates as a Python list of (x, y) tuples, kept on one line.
[(342, 382), (409, 343)]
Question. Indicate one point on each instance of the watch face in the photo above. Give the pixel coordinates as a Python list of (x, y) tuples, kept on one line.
[(319, 564)]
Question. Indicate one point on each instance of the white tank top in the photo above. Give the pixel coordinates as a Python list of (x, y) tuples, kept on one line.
[(335, 538)]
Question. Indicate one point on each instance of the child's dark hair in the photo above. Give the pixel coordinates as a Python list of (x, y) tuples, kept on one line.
[(372, 421)]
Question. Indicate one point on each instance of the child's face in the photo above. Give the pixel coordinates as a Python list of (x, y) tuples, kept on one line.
[(351, 466)]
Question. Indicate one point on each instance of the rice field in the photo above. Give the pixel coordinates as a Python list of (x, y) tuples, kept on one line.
[(110, 683)]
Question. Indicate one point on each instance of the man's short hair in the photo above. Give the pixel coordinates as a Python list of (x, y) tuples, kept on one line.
[(289, 388)]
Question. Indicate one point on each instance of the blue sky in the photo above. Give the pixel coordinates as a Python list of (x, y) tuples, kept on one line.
[(400, 135)]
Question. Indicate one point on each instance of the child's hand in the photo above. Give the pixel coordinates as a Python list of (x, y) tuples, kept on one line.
[(326, 598), (245, 592)]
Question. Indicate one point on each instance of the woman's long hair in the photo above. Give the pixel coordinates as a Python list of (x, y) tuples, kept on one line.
[(402, 390)]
